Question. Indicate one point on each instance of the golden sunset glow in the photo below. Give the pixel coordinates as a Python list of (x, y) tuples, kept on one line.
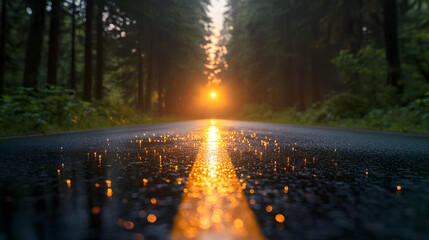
[(214, 205), (213, 94)]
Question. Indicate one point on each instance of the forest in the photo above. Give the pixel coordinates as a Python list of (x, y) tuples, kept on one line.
[(78, 63), (73, 64), (354, 63)]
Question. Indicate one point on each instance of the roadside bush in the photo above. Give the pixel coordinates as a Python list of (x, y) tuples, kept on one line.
[(53, 109), (363, 77), (256, 112), (346, 105), (412, 117)]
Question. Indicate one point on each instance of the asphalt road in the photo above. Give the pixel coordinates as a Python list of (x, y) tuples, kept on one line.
[(215, 180)]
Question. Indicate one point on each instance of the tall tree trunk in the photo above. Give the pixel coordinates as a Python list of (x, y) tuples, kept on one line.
[(289, 67), (161, 77), (33, 52), (73, 37), (140, 73), (360, 24), (354, 24), (54, 31), (302, 82), (315, 75), (148, 93), (161, 93), (315, 63), (288, 89), (392, 48), (3, 45), (162, 66), (87, 75), (99, 72)]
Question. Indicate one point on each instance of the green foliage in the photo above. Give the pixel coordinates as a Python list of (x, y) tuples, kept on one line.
[(366, 68), (415, 55), (346, 105), (58, 109), (364, 102), (414, 117), (257, 111), (363, 77)]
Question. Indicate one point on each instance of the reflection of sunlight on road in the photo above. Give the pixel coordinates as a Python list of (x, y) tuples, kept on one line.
[(214, 206)]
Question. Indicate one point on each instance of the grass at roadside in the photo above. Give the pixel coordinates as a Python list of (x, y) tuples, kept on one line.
[(410, 118), (56, 110), (98, 124)]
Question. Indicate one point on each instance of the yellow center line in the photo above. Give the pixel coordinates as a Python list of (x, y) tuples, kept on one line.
[(214, 205)]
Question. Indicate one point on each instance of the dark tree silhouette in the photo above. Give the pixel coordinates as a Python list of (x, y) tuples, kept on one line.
[(148, 93), (33, 52), (3, 44), (392, 47), (54, 32), (87, 75), (140, 72), (73, 46), (99, 70)]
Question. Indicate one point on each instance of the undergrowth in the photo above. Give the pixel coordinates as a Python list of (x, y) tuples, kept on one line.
[(56, 109)]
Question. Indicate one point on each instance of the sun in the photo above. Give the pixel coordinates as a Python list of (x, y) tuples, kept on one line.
[(213, 94)]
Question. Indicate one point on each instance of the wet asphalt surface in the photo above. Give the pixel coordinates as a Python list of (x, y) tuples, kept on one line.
[(127, 183)]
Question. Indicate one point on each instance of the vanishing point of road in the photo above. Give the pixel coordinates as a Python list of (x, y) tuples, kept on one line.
[(215, 179)]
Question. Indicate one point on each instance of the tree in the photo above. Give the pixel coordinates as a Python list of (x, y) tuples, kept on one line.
[(148, 93), (3, 44), (34, 44), (280, 51), (169, 34), (87, 78), (99, 70), (54, 32), (392, 46), (155, 49), (73, 46), (140, 68)]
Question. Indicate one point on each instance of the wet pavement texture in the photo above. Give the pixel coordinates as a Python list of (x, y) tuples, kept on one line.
[(198, 179)]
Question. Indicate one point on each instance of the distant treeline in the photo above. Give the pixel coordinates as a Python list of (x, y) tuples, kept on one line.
[(146, 54), (353, 55)]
